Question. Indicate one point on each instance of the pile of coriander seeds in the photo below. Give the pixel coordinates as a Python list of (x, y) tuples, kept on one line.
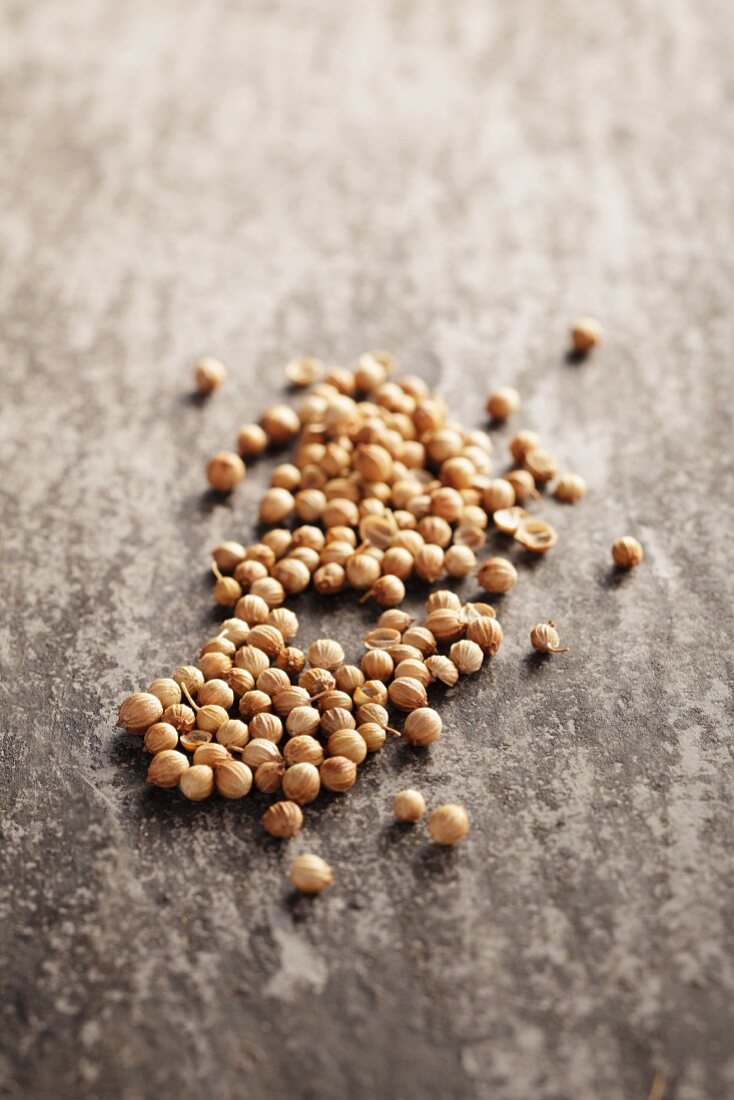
[(383, 486)]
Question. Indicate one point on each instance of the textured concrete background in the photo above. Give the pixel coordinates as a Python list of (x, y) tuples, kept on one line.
[(453, 182)]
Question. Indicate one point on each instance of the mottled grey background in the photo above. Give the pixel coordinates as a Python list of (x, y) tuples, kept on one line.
[(454, 182)]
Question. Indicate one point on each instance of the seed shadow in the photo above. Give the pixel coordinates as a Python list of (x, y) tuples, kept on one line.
[(435, 862), (574, 357), (535, 661), (614, 577), (195, 399), (398, 834)]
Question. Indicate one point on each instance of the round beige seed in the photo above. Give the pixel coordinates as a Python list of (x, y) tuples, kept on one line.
[(209, 374), (166, 768), (338, 774), (497, 575), (627, 552), (224, 471), (348, 743), (139, 711), (423, 726), (467, 656), (311, 874), (448, 824), (409, 806), (283, 819), (301, 783), (233, 779), (160, 736), (586, 332), (503, 402), (197, 782), (545, 638)]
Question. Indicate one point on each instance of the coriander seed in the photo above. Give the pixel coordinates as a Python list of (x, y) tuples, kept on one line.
[(233, 779), (166, 768), (467, 656), (497, 575), (536, 535), (224, 471), (254, 702), (310, 874), (486, 632), (301, 783), (139, 711), (570, 488), (211, 753), (521, 443), (233, 734), (304, 371), (459, 561), (337, 774), (503, 402), (269, 776), (446, 625), (283, 819), (280, 423), (348, 743), (586, 333), (217, 692), (197, 782), (160, 736), (181, 717), (267, 727), (325, 653), (448, 824), (166, 690), (409, 806), (209, 375), (303, 749), (407, 694), (441, 668), (423, 726), (373, 735), (545, 638), (442, 598), (627, 552), (498, 494), (251, 440)]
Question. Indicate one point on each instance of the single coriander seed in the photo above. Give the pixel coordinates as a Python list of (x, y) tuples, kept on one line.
[(503, 402), (233, 779), (283, 819), (545, 638), (467, 656), (224, 471), (197, 782), (448, 824), (311, 874), (570, 488), (301, 783), (627, 552), (166, 768), (337, 774), (139, 711), (497, 575), (423, 726), (409, 806), (586, 332), (209, 374)]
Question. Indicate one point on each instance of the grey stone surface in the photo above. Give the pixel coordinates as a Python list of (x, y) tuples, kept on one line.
[(454, 182)]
